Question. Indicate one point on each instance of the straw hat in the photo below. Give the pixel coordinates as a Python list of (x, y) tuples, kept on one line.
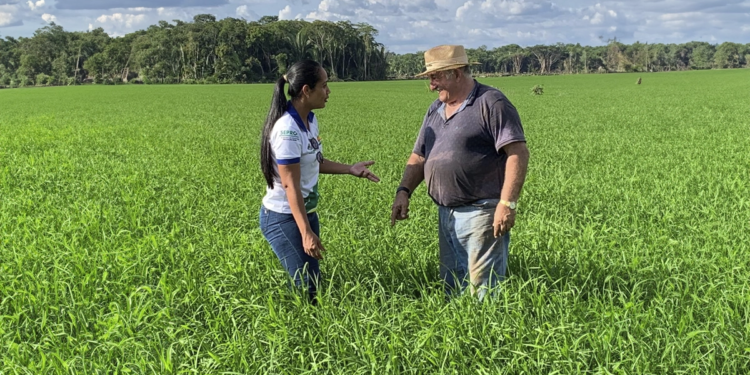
[(445, 57)]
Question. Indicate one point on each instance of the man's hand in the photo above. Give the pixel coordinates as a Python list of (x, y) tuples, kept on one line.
[(360, 170), (505, 218), (400, 208)]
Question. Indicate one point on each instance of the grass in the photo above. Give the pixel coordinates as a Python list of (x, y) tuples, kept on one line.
[(129, 240)]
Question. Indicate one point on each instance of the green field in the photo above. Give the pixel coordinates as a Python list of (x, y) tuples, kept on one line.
[(129, 238)]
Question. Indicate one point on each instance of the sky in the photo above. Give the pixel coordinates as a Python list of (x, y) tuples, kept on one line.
[(416, 25)]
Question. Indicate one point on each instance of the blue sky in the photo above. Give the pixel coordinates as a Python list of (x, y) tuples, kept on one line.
[(413, 25)]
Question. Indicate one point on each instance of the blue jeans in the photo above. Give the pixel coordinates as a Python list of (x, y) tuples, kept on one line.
[(281, 232), (468, 247)]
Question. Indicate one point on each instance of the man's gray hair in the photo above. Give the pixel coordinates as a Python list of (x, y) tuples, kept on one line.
[(466, 70)]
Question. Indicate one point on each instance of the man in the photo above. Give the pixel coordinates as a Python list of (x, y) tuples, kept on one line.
[(471, 152)]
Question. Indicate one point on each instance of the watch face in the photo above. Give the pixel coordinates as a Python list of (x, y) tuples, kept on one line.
[(512, 205)]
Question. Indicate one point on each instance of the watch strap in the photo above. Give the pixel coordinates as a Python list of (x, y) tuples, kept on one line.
[(511, 205), (404, 188)]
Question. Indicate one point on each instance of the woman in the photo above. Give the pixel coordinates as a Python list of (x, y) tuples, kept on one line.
[(291, 156)]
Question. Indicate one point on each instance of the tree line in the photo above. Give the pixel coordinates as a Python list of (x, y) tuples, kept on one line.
[(574, 58), (232, 50), (205, 50)]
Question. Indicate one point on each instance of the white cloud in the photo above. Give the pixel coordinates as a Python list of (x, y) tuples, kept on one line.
[(464, 10), (34, 6), (327, 5), (139, 9), (679, 16), (491, 13), (678, 22), (91, 27), (323, 16), (243, 11), (49, 18), (5, 18), (286, 13), (509, 7), (385, 14), (127, 20), (597, 19), (613, 13)]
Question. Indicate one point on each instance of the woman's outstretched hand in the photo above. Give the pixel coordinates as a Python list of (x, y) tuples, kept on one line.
[(360, 170)]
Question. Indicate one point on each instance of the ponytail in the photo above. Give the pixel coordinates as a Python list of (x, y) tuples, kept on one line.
[(278, 107)]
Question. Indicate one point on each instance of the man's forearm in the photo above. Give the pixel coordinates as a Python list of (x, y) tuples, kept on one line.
[(515, 173), (413, 173)]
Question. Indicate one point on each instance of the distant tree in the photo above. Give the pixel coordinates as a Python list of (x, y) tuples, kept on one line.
[(614, 57), (517, 55), (728, 55), (702, 56)]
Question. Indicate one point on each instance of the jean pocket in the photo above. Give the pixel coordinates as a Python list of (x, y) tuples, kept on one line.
[(273, 218)]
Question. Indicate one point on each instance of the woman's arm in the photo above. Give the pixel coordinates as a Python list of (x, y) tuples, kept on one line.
[(332, 167), (290, 180)]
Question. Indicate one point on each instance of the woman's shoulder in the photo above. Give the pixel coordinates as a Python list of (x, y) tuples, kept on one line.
[(286, 128), (285, 121)]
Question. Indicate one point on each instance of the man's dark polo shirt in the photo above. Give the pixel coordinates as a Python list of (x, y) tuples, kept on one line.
[(464, 159)]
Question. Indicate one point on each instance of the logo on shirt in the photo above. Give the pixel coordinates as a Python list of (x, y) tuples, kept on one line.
[(314, 144), (289, 135)]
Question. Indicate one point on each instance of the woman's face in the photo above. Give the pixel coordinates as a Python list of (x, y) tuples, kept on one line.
[(318, 96)]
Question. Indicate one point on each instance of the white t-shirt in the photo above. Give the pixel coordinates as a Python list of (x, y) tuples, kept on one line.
[(292, 143)]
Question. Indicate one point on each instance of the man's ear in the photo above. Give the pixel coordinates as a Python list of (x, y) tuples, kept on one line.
[(460, 74)]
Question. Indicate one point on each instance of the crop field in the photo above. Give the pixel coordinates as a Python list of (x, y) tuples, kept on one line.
[(129, 239)]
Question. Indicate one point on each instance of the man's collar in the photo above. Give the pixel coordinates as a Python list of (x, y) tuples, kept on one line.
[(473, 94)]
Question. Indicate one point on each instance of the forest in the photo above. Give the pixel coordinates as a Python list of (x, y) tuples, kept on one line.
[(233, 50)]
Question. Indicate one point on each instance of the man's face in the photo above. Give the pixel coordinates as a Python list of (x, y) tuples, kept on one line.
[(445, 83)]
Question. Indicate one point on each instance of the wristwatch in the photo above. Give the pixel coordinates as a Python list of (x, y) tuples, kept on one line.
[(404, 188), (511, 205)]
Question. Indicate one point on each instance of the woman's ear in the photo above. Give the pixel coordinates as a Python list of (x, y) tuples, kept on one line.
[(306, 90)]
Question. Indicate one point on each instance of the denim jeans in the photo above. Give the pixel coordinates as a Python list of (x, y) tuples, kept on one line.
[(468, 247), (281, 232)]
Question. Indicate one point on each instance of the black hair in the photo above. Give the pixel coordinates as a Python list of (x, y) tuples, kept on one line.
[(305, 72)]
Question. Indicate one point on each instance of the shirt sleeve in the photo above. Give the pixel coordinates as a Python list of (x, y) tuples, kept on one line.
[(286, 143), (505, 124), (420, 144)]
